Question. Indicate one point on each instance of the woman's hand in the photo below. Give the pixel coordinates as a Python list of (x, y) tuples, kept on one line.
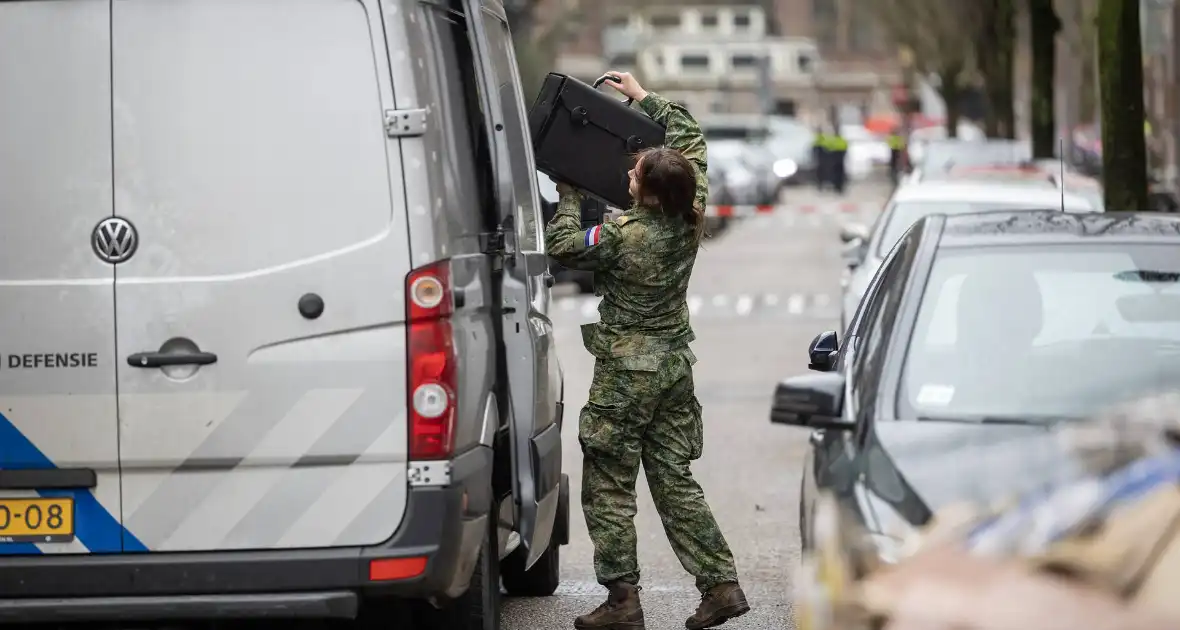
[(627, 85)]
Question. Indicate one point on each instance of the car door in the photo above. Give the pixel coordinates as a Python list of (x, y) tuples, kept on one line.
[(59, 465), (832, 461), (261, 323), (533, 372)]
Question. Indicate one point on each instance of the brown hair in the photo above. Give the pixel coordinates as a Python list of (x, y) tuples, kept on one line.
[(667, 176)]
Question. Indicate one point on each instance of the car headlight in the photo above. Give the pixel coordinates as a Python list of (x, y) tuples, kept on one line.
[(785, 168)]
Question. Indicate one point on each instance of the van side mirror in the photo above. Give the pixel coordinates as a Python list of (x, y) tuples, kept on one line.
[(850, 232), (823, 351), (810, 400)]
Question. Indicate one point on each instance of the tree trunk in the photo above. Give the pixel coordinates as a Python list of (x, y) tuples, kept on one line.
[(1124, 151), (995, 44), (1043, 27), (952, 96)]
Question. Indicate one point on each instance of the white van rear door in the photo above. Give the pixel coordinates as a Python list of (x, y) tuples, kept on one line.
[(251, 152), (534, 374), (59, 466)]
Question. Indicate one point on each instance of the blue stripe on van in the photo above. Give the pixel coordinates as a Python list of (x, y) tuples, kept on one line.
[(95, 527)]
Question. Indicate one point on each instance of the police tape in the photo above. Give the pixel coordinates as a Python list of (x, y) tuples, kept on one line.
[(848, 207)]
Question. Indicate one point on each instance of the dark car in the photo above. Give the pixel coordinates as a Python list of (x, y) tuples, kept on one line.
[(592, 213), (978, 332)]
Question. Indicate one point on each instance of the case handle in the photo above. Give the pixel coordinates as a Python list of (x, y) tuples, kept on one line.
[(606, 77)]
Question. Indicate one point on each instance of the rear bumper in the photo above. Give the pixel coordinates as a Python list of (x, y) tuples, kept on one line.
[(315, 583)]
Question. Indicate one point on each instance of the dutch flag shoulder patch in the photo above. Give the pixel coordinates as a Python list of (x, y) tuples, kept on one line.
[(593, 236)]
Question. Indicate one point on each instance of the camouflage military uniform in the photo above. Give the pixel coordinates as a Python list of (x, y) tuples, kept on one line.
[(642, 405)]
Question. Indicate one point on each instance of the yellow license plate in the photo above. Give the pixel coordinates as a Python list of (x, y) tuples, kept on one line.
[(37, 520)]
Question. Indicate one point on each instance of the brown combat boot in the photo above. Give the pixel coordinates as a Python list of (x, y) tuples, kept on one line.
[(620, 611), (718, 605)]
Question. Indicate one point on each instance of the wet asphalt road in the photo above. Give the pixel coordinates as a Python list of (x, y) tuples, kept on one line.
[(760, 292)]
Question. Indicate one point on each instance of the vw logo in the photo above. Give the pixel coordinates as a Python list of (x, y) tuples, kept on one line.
[(114, 240)]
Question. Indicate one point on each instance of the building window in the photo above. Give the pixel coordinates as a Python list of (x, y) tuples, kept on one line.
[(709, 20), (806, 63), (741, 20), (743, 62), (665, 21), (694, 62), (623, 60)]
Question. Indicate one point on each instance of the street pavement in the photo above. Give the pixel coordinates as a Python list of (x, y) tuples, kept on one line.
[(760, 292)]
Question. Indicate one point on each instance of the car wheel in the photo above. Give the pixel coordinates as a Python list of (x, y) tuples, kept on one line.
[(479, 607), (544, 577)]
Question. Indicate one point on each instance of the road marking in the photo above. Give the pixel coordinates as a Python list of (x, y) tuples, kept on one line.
[(795, 304), (770, 299), (694, 304), (745, 304)]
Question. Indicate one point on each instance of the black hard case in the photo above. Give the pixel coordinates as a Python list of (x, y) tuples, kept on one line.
[(588, 138)]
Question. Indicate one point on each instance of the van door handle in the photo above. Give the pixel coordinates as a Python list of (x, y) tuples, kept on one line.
[(164, 359)]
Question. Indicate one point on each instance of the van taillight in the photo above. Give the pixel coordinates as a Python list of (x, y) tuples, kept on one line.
[(431, 364)]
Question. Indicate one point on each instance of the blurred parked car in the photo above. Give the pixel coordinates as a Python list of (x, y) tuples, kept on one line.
[(866, 150), (979, 331), (865, 250), (920, 139), (741, 166), (743, 172), (937, 156), (792, 144)]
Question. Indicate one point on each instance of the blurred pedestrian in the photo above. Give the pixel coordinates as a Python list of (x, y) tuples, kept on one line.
[(897, 155), (642, 406), (838, 154), (819, 154)]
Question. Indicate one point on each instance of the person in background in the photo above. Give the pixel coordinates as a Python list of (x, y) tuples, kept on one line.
[(838, 152), (897, 147), (642, 406), (820, 157)]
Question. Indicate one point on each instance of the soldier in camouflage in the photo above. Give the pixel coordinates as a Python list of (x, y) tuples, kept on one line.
[(642, 406)]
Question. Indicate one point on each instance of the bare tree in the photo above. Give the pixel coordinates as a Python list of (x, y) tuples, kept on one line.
[(991, 28), (1120, 61), (934, 31), (1044, 25), (536, 44)]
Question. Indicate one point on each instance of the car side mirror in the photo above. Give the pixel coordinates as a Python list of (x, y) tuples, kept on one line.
[(823, 351), (810, 400), (850, 232)]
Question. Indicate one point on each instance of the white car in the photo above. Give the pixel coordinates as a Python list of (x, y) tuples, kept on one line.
[(867, 248)]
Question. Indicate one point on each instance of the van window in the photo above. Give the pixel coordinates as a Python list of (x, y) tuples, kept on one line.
[(456, 91), (516, 134)]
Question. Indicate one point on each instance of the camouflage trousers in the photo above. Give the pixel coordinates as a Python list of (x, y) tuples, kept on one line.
[(643, 409)]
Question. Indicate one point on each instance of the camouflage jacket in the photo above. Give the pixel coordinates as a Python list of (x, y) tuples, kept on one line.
[(641, 260)]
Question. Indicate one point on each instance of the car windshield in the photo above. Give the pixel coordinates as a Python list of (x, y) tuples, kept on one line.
[(940, 156), (1056, 331), (903, 214)]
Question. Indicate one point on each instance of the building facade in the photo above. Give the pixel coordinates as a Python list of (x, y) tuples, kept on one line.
[(797, 57)]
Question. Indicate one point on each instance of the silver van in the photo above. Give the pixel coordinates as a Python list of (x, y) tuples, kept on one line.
[(275, 337)]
